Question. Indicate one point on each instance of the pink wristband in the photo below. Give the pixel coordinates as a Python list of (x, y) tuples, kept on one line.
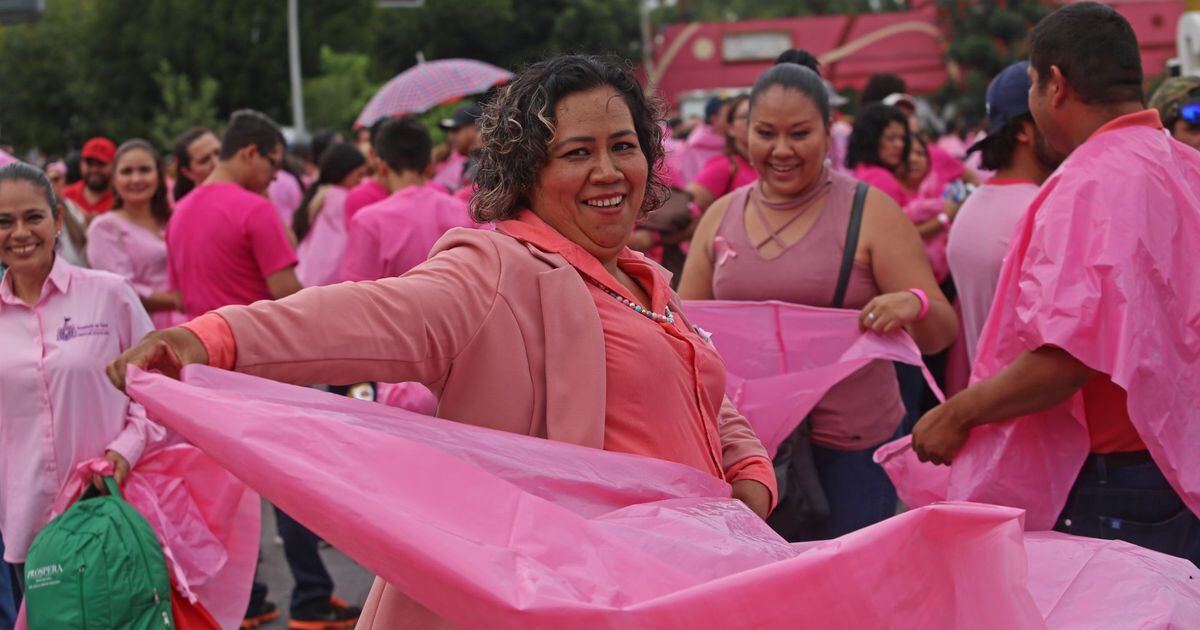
[(924, 302)]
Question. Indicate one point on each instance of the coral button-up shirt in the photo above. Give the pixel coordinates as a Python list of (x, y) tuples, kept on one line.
[(665, 384), (57, 408)]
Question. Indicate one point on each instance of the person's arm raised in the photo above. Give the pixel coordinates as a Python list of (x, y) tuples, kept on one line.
[(899, 263)]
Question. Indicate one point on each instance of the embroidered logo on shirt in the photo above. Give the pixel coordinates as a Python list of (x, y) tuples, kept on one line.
[(69, 331)]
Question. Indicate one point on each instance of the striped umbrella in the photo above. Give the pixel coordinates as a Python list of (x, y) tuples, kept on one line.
[(429, 84)]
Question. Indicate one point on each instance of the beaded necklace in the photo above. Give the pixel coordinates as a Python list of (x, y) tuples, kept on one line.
[(667, 318)]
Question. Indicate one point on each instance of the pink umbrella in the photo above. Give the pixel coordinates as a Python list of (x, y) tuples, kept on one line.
[(5, 158), (429, 84)]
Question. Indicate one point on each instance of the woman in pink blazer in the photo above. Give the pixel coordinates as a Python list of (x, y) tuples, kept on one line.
[(549, 326)]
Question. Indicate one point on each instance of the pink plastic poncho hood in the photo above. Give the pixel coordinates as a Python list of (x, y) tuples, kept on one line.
[(1103, 266), (499, 530)]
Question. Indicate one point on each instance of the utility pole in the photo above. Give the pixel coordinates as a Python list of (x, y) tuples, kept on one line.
[(293, 21), (647, 44)]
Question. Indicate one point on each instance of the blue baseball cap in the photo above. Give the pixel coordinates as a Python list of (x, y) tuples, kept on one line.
[(1007, 98)]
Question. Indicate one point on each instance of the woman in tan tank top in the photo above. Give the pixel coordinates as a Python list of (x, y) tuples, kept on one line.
[(782, 238)]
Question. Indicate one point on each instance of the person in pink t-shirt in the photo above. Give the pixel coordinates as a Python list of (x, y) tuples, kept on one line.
[(732, 170), (129, 239), (388, 238), (319, 223), (463, 137), (371, 189), (226, 244), (983, 227)]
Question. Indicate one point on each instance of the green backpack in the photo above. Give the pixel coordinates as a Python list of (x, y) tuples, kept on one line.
[(97, 566)]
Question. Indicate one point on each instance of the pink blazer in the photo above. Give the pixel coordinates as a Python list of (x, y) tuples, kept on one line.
[(506, 335)]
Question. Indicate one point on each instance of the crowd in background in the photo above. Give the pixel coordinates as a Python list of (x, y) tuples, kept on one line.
[(774, 194)]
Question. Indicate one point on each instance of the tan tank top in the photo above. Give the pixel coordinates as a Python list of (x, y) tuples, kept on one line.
[(863, 410)]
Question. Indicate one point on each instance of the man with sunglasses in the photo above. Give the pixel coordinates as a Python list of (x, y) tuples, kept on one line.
[(93, 192), (1178, 103)]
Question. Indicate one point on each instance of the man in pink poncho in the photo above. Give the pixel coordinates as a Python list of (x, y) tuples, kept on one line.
[(1083, 410)]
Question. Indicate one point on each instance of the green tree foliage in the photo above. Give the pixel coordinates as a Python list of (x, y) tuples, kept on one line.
[(335, 97), (184, 105), (987, 35), (96, 66)]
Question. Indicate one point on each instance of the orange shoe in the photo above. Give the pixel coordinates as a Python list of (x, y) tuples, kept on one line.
[(265, 613), (334, 614)]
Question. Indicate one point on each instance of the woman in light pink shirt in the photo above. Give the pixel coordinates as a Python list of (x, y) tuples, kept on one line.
[(130, 240), (59, 325), (320, 221), (549, 326)]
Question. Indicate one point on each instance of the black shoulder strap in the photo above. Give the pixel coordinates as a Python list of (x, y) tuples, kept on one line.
[(856, 212)]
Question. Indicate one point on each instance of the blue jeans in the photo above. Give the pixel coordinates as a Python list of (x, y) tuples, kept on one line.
[(858, 490), (300, 547), (8, 593), (1134, 503)]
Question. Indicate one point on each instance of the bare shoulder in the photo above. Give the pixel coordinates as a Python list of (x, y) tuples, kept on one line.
[(881, 213), (712, 218)]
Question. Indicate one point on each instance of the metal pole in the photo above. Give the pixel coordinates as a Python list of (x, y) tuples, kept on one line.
[(293, 18), (647, 53)]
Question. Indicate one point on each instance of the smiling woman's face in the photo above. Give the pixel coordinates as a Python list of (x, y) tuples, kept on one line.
[(27, 228), (591, 188)]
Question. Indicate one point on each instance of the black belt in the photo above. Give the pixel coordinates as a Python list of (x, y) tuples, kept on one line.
[(1117, 460)]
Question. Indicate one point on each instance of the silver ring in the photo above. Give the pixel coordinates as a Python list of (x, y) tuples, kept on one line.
[(870, 317)]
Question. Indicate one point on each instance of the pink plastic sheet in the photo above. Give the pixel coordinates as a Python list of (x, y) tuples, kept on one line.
[(782, 358), (206, 520), (1103, 266), (497, 530)]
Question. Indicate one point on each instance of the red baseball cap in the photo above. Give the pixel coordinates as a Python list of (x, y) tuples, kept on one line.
[(99, 148)]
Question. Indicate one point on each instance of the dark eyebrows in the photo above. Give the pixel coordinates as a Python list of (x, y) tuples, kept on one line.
[(590, 140)]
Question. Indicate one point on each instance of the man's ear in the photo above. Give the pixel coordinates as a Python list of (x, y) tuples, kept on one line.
[(247, 152), (1059, 86), (1025, 132)]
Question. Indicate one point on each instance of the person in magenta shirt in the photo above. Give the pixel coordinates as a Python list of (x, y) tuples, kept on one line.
[(725, 173), (226, 244), (388, 238), (549, 326), (706, 141), (983, 227), (370, 190), (130, 240), (1089, 352), (319, 223), (59, 325)]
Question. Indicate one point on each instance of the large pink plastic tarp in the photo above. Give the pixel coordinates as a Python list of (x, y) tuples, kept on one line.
[(1109, 274), (498, 530), (206, 520), (782, 358)]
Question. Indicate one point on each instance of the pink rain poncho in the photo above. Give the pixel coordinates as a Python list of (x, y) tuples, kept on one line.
[(499, 530), (782, 358), (1103, 265)]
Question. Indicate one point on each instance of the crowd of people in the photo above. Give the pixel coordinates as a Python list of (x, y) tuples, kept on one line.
[(530, 274)]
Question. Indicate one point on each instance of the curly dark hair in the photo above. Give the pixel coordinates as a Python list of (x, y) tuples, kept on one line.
[(517, 128), (868, 129)]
